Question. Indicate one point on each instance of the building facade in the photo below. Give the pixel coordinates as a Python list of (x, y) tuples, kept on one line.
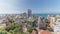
[(29, 12)]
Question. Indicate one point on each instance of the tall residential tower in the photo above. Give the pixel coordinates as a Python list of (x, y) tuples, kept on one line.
[(29, 12)]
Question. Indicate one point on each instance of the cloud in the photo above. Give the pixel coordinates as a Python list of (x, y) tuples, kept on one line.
[(47, 11), (6, 8)]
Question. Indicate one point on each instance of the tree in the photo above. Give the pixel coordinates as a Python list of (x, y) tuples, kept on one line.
[(14, 28)]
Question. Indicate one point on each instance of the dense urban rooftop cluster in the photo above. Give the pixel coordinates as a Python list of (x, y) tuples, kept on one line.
[(26, 23)]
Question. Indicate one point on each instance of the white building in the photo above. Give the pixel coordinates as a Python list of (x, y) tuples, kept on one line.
[(57, 26), (52, 19), (41, 22), (2, 24)]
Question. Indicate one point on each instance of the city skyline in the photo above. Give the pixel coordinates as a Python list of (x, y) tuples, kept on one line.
[(37, 6)]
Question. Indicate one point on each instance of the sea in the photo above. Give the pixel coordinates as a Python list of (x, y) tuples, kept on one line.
[(43, 15)]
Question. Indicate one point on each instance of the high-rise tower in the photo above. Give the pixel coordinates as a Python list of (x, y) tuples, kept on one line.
[(29, 12)]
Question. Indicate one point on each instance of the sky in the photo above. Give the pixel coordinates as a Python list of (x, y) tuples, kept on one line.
[(37, 6)]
